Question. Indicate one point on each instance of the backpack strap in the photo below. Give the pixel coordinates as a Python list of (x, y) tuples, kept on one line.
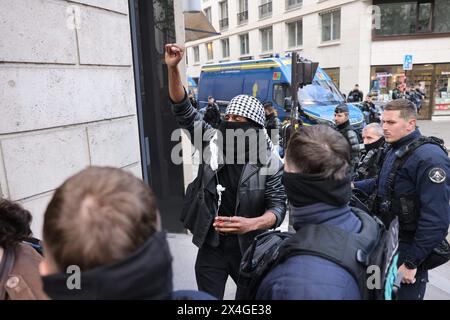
[(403, 154), (6, 267), (350, 251)]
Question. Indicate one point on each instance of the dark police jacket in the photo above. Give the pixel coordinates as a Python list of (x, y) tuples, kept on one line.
[(346, 129), (370, 163), (415, 180), (260, 188)]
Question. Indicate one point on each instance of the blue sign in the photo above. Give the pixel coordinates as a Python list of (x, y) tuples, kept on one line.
[(408, 62)]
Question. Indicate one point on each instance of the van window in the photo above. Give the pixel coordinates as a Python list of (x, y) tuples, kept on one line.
[(320, 91), (281, 91)]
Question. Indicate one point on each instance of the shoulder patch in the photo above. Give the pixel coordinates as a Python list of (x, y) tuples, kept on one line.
[(437, 175)]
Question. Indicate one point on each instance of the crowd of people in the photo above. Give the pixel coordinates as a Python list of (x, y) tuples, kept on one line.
[(104, 223)]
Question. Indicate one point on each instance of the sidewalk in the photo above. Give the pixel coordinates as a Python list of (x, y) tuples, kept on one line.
[(184, 253), (440, 129)]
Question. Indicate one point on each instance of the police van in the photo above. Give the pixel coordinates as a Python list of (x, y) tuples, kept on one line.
[(269, 80)]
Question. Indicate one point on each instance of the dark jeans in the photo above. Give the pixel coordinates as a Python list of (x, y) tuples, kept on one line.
[(215, 264), (414, 291)]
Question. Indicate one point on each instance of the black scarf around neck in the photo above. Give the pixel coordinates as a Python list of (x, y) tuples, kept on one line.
[(307, 189), (374, 145)]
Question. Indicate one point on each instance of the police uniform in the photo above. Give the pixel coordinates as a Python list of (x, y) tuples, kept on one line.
[(371, 161), (420, 198)]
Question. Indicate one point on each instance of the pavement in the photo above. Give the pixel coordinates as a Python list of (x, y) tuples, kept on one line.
[(184, 252)]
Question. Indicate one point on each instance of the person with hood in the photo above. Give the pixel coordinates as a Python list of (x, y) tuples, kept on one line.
[(374, 151), (103, 240), (241, 181), (19, 261), (318, 186)]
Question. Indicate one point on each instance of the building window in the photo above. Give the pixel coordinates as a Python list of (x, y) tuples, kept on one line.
[(413, 17), (295, 34), (208, 13), (331, 25), (265, 9), (243, 39), (196, 54), (441, 16), (242, 15), (223, 22), (209, 51), (225, 47), (266, 39), (293, 3)]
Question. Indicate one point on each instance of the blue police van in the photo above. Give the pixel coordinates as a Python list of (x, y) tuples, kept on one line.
[(269, 80)]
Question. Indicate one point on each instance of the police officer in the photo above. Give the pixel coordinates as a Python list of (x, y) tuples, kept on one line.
[(273, 124), (341, 118), (413, 184), (355, 95), (397, 93), (374, 148)]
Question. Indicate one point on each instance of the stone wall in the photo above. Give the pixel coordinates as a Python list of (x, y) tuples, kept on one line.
[(67, 95)]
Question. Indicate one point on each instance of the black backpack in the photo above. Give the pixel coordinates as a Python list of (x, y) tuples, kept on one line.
[(369, 256)]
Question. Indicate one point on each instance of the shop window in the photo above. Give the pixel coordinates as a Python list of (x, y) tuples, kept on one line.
[(441, 93)]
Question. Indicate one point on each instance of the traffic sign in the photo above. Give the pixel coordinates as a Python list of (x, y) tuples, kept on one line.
[(408, 62)]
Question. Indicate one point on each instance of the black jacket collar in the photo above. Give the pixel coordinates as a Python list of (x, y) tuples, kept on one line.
[(406, 139), (146, 274)]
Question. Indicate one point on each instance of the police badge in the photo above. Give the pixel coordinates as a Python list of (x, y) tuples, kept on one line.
[(437, 175)]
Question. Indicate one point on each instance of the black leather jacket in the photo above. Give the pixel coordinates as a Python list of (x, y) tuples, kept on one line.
[(260, 188)]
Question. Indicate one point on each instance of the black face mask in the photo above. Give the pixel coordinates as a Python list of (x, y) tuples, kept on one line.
[(243, 143), (374, 145), (307, 189)]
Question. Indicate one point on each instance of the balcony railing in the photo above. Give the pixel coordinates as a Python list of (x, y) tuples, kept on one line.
[(223, 23), (242, 17), (265, 10)]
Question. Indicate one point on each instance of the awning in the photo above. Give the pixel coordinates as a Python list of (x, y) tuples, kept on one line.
[(197, 26)]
